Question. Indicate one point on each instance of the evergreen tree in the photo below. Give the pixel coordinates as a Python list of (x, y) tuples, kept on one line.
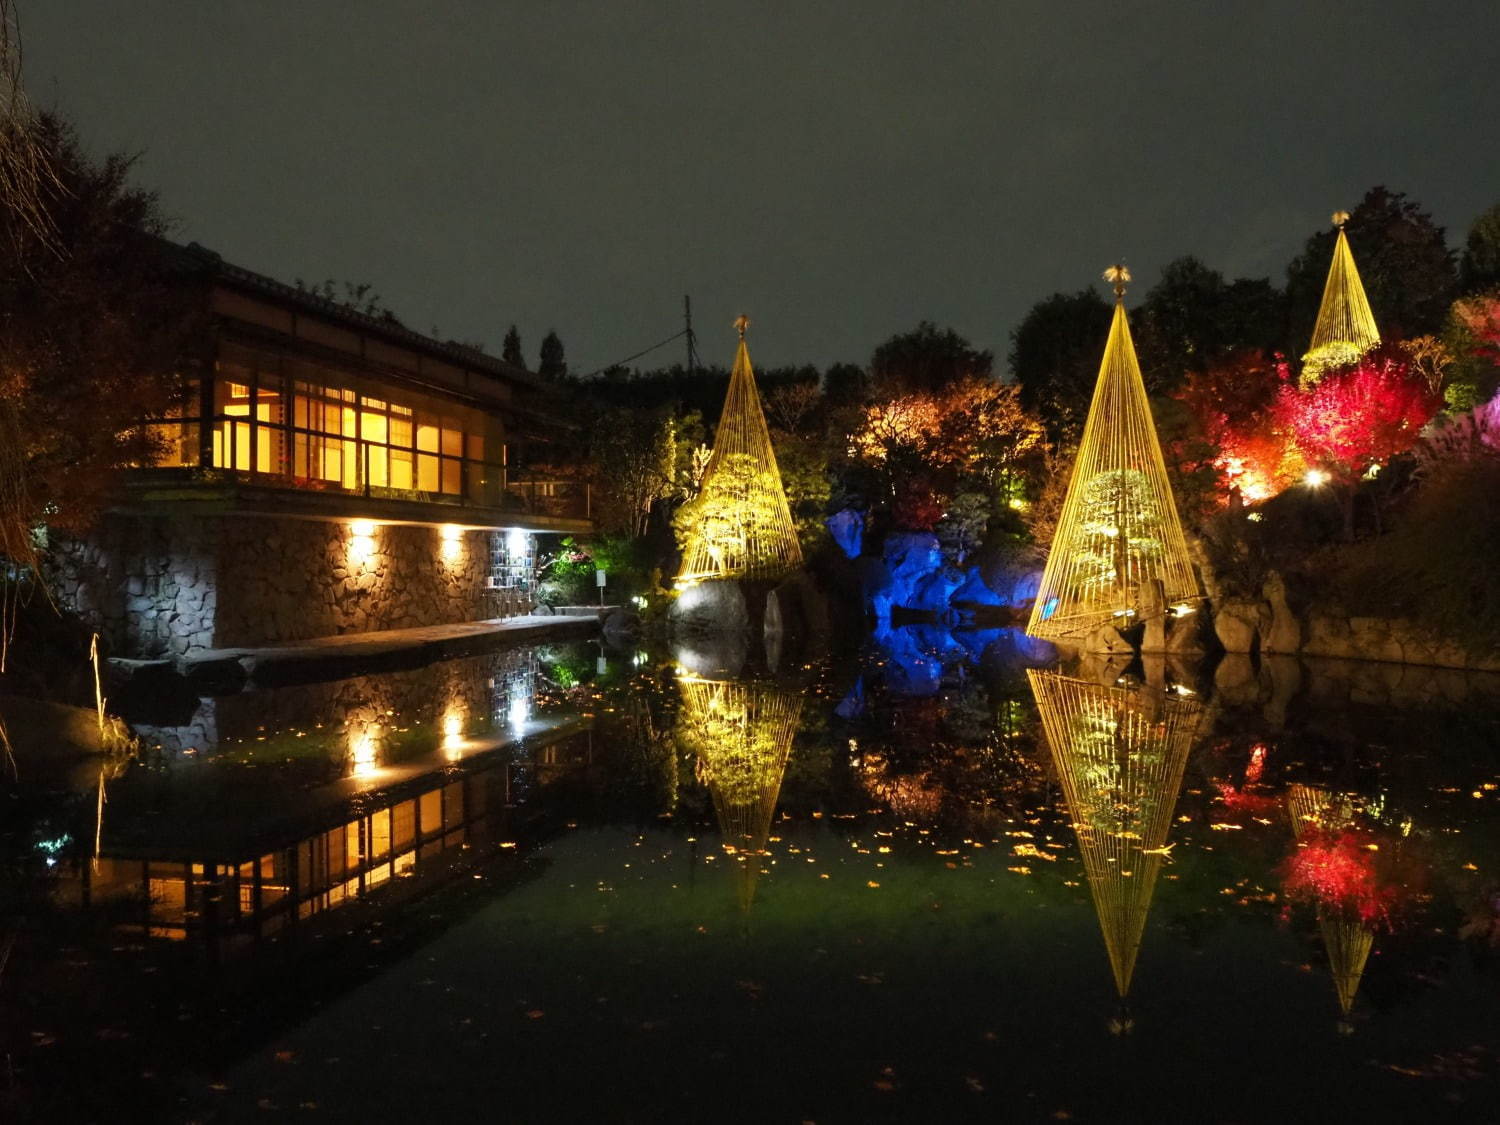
[(1480, 270), (1403, 260), (551, 363), (511, 350), (1054, 356)]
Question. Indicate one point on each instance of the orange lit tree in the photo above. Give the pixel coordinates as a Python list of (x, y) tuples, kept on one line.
[(93, 338)]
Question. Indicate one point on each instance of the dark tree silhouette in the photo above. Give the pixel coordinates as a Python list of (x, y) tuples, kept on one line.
[(926, 359), (1404, 262), (551, 362), (1479, 272), (511, 350), (1054, 356)]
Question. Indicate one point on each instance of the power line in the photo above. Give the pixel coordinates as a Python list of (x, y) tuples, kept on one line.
[(644, 351)]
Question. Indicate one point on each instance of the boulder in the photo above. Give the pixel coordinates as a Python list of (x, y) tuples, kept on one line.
[(621, 628), (1026, 588), (1106, 640), (1240, 623), (909, 557), (934, 591), (1284, 634), (974, 590), (1151, 608), (1187, 633), (716, 605), (847, 527)]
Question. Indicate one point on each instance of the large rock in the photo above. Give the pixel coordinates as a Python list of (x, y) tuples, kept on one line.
[(1026, 589), (1240, 623), (1106, 640), (848, 530), (716, 605), (910, 556), (1151, 605), (935, 590), (1187, 634), (1284, 634), (974, 590)]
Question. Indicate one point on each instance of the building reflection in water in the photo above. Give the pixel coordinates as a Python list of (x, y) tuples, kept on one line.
[(240, 857), (740, 733), (1120, 753)]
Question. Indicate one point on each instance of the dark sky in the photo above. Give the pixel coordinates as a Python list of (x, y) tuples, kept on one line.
[(837, 171)]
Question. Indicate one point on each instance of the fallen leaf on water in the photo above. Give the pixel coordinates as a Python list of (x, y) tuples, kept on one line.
[(535, 1014)]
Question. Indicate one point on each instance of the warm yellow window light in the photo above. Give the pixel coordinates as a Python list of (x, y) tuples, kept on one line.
[(1345, 329), (1119, 525)]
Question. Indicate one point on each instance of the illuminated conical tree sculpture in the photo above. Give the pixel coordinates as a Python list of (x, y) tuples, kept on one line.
[(1119, 524), (741, 735), (1346, 327), (1120, 755), (1317, 812), (739, 525)]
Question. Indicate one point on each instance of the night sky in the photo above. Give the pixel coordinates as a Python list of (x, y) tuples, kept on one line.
[(836, 171)]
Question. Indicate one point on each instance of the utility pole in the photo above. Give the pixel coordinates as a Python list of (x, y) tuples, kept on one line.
[(692, 341)]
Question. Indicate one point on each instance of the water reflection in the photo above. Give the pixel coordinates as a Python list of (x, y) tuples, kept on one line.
[(1120, 753), (740, 734)]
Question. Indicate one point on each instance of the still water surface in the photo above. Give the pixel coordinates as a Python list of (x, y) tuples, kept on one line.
[(942, 879)]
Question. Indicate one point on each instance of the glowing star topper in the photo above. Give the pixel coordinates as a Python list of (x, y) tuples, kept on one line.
[(1118, 275)]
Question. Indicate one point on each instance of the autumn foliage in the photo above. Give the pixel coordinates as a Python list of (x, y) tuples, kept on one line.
[(1267, 430), (1357, 416)]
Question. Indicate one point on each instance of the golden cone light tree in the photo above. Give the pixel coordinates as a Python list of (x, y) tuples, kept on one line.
[(741, 736), (1119, 524), (1345, 329), (1346, 938), (1120, 755), (739, 524)]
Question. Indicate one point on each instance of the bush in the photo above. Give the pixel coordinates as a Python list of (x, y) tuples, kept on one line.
[(1437, 565)]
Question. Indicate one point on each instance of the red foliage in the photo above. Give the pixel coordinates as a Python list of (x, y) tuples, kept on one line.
[(917, 506), (1232, 402), (1357, 416), (1480, 315), (1337, 871)]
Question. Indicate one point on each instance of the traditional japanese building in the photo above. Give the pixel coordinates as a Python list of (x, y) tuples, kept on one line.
[(330, 472)]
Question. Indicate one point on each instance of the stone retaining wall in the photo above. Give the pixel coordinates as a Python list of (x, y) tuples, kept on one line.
[(168, 586)]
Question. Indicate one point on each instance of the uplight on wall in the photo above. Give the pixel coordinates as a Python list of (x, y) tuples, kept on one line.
[(452, 543), (364, 749), (453, 731), (361, 541), (516, 543)]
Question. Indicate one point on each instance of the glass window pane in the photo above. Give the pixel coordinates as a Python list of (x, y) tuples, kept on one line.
[(401, 469), (427, 472), (372, 427), (452, 476), (427, 437)]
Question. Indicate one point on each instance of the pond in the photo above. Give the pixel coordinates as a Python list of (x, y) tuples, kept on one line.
[(943, 877)]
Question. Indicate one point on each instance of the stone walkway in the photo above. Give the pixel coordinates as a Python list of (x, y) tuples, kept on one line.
[(322, 658)]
